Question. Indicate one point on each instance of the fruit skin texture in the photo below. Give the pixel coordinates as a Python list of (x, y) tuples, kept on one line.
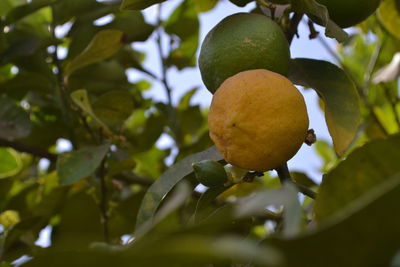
[(258, 120), (210, 173), (241, 42), (348, 13)]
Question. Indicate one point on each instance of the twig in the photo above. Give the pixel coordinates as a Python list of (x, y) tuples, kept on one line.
[(21, 147), (164, 79), (103, 200), (294, 23), (284, 177)]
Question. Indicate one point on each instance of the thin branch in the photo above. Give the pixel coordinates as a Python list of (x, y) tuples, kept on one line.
[(103, 200), (294, 23), (164, 79), (21, 147), (284, 177)]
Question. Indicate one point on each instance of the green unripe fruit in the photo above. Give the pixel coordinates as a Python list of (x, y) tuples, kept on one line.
[(347, 13), (240, 42), (210, 173)]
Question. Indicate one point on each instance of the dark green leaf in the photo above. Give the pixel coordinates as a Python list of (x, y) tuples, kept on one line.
[(14, 121), (138, 4), (363, 170), (312, 7), (159, 189), (365, 233), (76, 165), (342, 103)]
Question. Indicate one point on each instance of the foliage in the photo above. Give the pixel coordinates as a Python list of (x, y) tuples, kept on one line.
[(63, 79)]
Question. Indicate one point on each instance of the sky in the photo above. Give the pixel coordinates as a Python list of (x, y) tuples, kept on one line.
[(306, 159)]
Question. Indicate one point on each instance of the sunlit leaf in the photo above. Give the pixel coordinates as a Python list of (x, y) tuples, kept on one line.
[(160, 188), (24, 10), (10, 162), (103, 45), (342, 103), (76, 165), (389, 17)]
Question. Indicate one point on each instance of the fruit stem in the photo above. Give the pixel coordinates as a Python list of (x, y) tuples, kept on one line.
[(292, 29), (284, 177)]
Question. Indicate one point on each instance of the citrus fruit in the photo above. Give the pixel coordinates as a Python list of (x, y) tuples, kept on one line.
[(258, 120), (241, 42), (210, 173), (348, 13)]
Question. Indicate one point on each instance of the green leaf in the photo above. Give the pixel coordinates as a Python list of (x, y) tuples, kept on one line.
[(80, 97), (24, 10), (365, 168), (138, 4), (10, 162), (389, 17), (114, 107), (312, 7), (14, 121), (161, 187), (256, 203), (205, 5), (342, 103), (365, 233), (184, 23), (103, 45), (76, 165)]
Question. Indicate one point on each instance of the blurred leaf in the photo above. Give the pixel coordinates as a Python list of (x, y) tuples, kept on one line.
[(161, 187), (205, 5), (24, 10), (389, 72), (184, 23), (150, 163), (342, 104), (138, 4), (24, 46), (312, 7), (14, 121), (178, 198), (303, 179), (9, 218), (114, 107), (79, 224), (327, 153), (389, 17), (103, 45), (369, 222), (132, 23), (73, 166), (364, 169), (10, 162), (81, 99), (287, 196)]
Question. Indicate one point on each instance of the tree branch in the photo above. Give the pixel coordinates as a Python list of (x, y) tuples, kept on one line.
[(21, 147), (294, 23), (103, 200)]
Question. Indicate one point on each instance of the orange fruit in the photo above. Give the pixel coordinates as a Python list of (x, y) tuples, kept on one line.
[(258, 120)]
